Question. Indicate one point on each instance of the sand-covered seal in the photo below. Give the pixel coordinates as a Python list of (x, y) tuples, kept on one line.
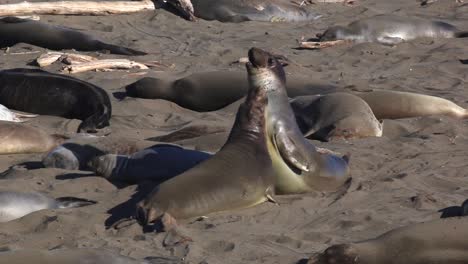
[(240, 175), (391, 29), (335, 115), (22, 138), (14, 205), (156, 163), (76, 256), (45, 93), (210, 91), (298, 166), (242, 10), (441, 241), (16, 30)]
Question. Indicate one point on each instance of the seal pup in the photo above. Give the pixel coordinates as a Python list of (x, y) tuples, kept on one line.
[(391, 30), (45, 93), (22, 138), (241, 10), (16, 30), (441, 241), (395, 105), (211, 91), (14, 205), (240, 175), (298, 166), (77, 256), (335, 115), (156, 163), (7, 115)]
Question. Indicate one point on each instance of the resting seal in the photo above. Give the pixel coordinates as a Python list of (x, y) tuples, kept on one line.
[(156, 163), (241, 10), (16, 30), (210, 91), (240, 175), (21, 138), (391, 29), (14, 205), (441, 241), (298, 166), (44, 93)]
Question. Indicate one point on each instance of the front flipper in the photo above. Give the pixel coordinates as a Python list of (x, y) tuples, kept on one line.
[(390, 41), (295, 150)]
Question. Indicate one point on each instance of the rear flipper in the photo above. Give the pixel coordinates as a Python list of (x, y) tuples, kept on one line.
[(461, 34), (121, 50), (73, 202)]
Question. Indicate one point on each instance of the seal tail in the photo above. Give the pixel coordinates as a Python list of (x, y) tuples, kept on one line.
[(461, 34), (121, 50), (73, 202)]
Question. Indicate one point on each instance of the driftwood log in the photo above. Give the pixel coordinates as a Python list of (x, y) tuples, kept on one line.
[(108, 64), (76, 8), (321, 44)]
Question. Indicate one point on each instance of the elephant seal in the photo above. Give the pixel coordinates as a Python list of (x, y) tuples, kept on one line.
[(16, 30), (75, 153), (156, 163), (21, 138), (241, 10), (336, 115), (76, 256), (240, 175), (298, 166), (395, 105), (14, 205), (44, 93), (391, 30), (210, 91), (441, 241)]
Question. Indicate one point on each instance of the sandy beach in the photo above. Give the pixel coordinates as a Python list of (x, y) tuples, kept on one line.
[(416, 169)]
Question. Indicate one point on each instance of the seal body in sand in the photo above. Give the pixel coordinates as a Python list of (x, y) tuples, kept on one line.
[(238, 176), (14, 205), (210, 91), (391, 29), (76, 256), (441, 241), (298, 166), (243, 10), (336, 115), (16, 30), (21, 138), (394, 105), (44, 93), (157, 163)]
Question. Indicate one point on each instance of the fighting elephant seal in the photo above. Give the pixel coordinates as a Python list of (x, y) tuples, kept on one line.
[(241, 10), (441, 241), (45, 93), (76, 256), (21, 138), (335, 115), (14, 205), (16, 30), (298, 166), (210, 91), (240, 175), (156, 163), (391, 29)]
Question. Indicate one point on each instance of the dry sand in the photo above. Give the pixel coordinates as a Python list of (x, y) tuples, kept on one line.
[(416, 169)]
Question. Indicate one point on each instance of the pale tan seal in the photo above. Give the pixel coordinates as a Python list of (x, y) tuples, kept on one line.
[(22, 138)]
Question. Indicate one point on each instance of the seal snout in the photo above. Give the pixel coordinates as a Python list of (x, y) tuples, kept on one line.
[(258, 57)]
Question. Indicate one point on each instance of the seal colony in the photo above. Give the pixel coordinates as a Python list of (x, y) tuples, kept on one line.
[(16, 30), (45, 93)]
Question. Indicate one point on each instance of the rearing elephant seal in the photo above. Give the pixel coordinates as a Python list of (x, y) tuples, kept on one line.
[(21, 138), (16, 30), (391, 29), (211, 91), (240, 175), (298, 166), (45, 93), (246, 10)]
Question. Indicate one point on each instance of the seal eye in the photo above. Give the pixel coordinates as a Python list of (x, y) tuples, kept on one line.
[(271, 62)]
